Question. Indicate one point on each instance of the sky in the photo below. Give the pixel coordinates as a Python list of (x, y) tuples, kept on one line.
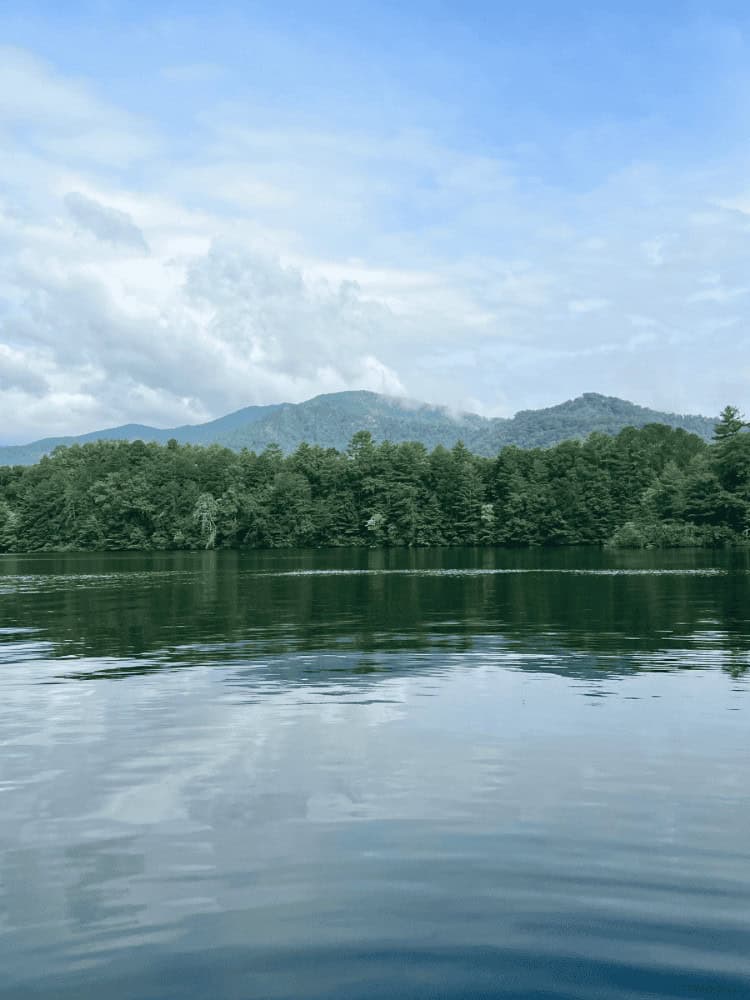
[(490, 206)]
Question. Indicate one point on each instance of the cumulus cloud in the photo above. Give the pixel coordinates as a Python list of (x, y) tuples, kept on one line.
[(15, 373), (271, 264), (232, 327), (106, 223)]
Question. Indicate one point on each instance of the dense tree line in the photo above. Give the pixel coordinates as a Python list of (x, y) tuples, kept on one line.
[(651, 486)]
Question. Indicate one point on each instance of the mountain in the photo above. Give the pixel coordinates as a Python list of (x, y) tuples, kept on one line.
[(331, 420)]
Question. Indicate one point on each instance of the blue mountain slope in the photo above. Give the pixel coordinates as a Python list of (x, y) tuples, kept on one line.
[(331, 420)]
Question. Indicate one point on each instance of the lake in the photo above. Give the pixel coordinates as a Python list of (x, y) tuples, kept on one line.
[(367, 774)]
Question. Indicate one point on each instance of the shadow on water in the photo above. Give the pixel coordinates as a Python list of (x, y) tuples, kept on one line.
[(363, 614)]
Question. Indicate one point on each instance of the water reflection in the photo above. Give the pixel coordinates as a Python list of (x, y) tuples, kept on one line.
[(222, 778), (120, 616)]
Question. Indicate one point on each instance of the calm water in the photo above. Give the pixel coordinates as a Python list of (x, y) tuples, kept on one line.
[(467, 773)]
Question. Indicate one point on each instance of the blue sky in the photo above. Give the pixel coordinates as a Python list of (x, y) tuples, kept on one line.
[(491, 206)]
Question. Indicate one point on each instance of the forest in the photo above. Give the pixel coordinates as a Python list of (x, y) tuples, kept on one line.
[(655, 486)]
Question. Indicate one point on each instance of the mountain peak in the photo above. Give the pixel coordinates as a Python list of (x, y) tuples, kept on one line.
[(331, 419)]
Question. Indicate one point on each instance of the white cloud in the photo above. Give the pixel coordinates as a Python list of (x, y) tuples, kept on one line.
[(271, 264), (232, 328), (16, 373)]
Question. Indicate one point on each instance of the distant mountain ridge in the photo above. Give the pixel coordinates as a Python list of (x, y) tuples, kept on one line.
[(330, 421)]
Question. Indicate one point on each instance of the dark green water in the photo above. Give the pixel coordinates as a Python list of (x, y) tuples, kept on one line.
[(444, 774)]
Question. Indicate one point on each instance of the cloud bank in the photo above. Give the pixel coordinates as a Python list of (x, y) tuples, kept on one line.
[(144, 280)]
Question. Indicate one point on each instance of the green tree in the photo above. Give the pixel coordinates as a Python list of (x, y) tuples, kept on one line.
[(648, 486), (205, 513), (730, 423)]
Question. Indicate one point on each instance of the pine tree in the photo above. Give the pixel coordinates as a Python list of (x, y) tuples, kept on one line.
[(730, 423)]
